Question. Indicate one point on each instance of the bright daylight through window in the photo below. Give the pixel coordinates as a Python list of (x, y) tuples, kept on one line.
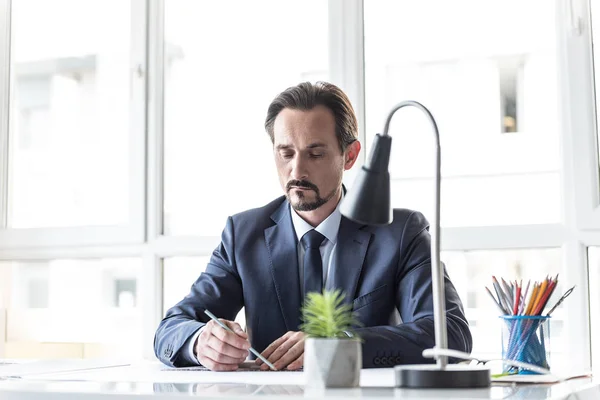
[(70, 120), (77, 308), (480, 79), (217, 164)]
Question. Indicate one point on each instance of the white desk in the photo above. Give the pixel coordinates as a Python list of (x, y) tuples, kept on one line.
[(150, 380)]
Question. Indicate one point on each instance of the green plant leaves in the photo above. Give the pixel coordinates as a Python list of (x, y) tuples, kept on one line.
[(326, 316)]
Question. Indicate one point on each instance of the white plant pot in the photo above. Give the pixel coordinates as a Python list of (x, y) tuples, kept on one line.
[(332, 363)]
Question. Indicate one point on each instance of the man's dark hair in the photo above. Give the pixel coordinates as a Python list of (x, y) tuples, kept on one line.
[(307, 96)]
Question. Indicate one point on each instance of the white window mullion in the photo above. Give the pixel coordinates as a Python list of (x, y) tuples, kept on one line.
[(503, 237), (70, 252), (346, 62), (152, 279), (155, 117), (61, 237), (4, 105), (138, 153), (577, 306), (577, 104), (579, 177), (188, 246)]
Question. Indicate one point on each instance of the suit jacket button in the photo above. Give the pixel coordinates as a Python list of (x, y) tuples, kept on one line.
[(398, 360), (391, 360), (376, 361)]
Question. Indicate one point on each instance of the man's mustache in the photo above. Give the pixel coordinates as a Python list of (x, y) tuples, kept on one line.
[(302, 184)]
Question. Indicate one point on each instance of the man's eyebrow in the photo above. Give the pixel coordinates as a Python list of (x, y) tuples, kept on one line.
[(310, 146)]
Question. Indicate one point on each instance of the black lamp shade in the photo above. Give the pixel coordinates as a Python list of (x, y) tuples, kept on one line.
[(368, 201)]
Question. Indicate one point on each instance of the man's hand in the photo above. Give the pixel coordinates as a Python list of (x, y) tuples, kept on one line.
[(287, 352), (220, 350)]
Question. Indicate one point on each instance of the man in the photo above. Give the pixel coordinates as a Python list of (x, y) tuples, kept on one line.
[(270, 257)]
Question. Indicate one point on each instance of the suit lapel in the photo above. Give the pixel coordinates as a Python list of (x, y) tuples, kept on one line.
[(282, 246), (349, 257)]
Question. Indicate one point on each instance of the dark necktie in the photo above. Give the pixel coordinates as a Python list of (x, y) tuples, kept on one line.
[(313, 264)]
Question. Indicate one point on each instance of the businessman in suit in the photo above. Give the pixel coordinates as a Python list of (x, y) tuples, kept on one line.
[(270, 257)]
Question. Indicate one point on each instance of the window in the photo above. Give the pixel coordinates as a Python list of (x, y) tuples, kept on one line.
[(479, 78), (91, 302), (70, 126), (471, 271), (216, 98), (180, 273), (77, 206)]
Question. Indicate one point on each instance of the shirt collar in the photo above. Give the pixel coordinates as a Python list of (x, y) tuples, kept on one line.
[(328, 228)]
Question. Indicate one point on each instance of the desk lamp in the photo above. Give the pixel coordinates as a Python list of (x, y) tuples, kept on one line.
[(368, 202)]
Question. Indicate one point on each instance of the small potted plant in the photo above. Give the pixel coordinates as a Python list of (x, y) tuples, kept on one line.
[(332, 352)]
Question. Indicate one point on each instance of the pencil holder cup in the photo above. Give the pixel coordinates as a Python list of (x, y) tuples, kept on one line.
[(525, 339)]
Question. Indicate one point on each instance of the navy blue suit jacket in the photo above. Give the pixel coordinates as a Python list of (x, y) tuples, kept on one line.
[(385, 272)]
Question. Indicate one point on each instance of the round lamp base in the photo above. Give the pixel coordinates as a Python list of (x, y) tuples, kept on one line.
[(453, 376)]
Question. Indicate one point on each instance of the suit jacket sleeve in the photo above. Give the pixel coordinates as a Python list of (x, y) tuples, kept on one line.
[(404, 343), (218, 289)]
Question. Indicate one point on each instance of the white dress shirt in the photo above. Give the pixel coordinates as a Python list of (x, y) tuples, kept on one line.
[(328, 228)]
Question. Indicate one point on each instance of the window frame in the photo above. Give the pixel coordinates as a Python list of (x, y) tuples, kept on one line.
[(133, 231), (4, 104), (579, 123), (579, 178), (579, 227)]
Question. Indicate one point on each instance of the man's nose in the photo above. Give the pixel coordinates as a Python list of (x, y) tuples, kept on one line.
[(299, 169)]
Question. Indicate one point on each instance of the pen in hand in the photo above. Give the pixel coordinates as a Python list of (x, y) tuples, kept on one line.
[(222, 325)]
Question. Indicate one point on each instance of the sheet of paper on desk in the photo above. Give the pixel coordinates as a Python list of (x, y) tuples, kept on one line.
[(35, 368), (154, 371), (244, 367), (157, 372)]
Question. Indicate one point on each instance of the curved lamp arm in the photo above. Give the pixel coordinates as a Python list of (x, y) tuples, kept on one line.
[(437, 272), (368, 202)]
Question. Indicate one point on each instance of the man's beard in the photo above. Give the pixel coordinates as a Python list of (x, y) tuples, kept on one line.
[(303, 204)]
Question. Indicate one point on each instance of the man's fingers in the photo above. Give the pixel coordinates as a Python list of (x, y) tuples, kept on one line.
[(221, 350), (281, 350), (215, 343), (289, 356), (222, 358), (272, 347), (297, 363), (215, 366), (287, 352), (234, 326), (231, 339)]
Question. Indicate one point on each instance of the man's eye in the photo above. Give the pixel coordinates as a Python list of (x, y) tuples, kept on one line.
[(287, 155), (316, 155)]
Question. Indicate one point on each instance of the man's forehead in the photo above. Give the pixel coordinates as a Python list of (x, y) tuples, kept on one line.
[(300, 141), (304, 128)]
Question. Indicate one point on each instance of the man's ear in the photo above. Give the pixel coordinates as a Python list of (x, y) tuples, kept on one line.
[(351, 154)]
